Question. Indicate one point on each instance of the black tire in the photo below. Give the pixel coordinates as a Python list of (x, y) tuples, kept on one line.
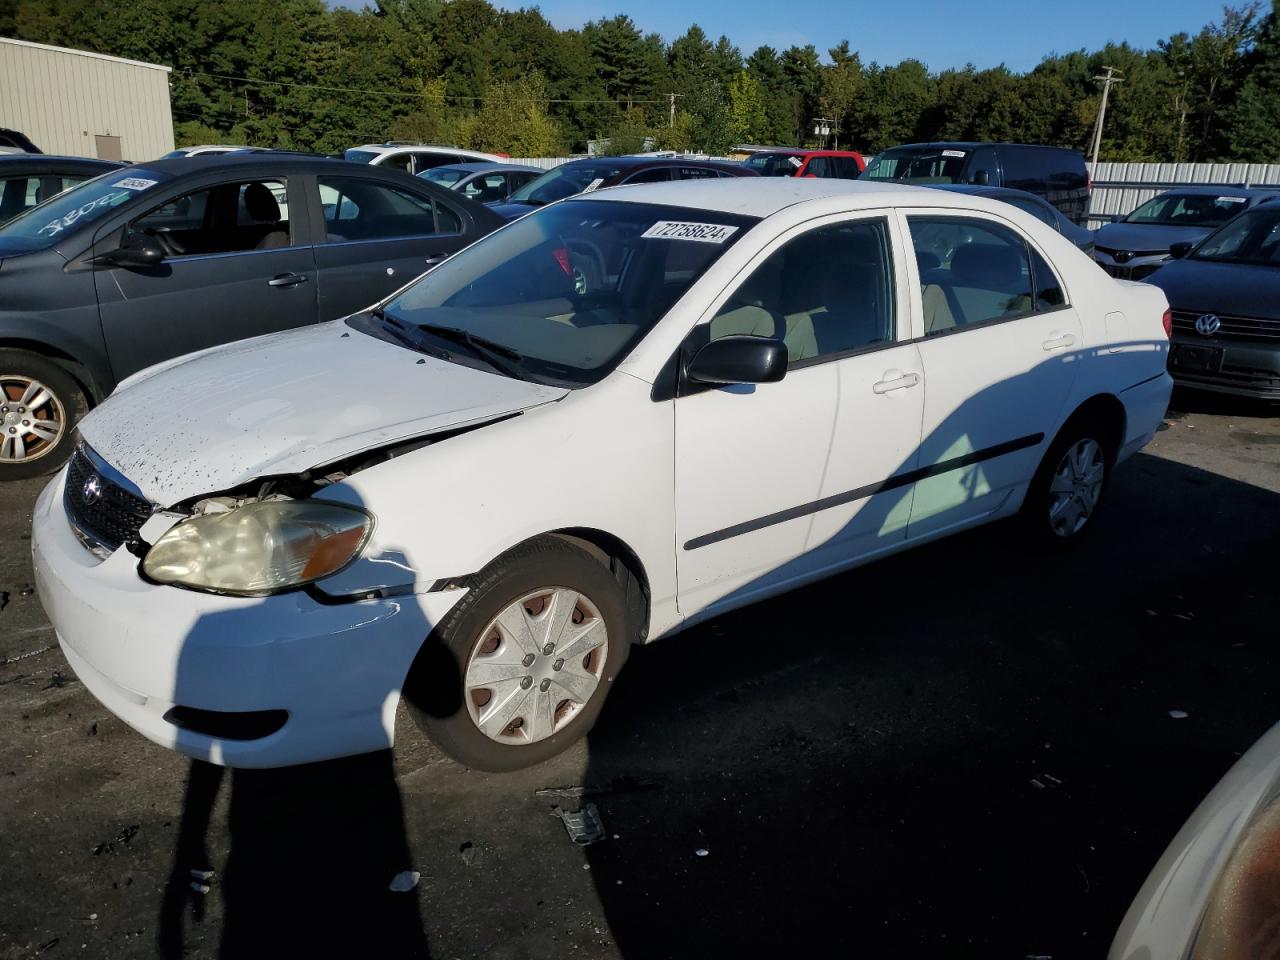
[(434, 692), (66, 407), (1034, 518)]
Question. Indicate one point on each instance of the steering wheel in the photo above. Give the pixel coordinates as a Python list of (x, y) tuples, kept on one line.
[(168, 243)]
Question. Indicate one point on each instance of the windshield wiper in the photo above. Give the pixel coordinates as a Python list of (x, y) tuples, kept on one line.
[(499, 356)]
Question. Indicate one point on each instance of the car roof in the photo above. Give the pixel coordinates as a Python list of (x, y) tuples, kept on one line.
[(802, 152), (51, 159), (420, 147), (177, 166), (765, 196), (981, 190), (970, 144), (1209, 190), (488, 166)]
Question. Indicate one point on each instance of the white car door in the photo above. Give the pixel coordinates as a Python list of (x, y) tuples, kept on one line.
[(1000, 347), (753, 471)]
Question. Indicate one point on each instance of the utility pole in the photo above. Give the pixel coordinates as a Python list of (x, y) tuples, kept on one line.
[(822, 129), (1107, 81), (671, 119)]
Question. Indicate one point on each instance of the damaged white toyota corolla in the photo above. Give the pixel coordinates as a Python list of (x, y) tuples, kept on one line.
[(608, 420)]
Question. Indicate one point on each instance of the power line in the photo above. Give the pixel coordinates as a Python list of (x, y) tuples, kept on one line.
[(400, 94)]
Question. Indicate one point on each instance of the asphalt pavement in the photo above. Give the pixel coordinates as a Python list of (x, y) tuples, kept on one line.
[(964, 751)]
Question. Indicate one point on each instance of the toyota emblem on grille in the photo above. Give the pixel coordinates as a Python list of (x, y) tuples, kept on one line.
[(1208, 324), (1123, 256), (92, 489)]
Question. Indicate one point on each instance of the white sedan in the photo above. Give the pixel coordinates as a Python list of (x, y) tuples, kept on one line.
[(607, 421)]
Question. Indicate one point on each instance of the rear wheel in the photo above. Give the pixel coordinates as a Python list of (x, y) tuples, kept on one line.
[(519, 669), (39, 406), (1067, 492)]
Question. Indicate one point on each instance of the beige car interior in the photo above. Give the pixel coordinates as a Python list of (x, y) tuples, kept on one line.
[(823, 293)]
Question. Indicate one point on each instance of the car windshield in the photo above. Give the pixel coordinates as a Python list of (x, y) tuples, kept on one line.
[(1252, 237), (774, 164), (565, 181), (563, 295), (918, 165), (42, 226), (445, 176), (1187, 210), (360, 156)]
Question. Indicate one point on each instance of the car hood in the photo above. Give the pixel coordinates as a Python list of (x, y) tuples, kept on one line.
[(1233, 289), (511, 211), (1144, 236), (285, 403)]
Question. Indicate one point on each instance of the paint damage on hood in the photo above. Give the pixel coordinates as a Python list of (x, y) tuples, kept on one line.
[(286, 403)]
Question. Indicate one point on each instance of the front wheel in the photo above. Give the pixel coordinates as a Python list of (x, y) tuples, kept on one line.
[(520, 668), (1068, 489), (39, 406)]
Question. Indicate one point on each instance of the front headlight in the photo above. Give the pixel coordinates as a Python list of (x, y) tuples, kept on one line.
[(259, 548)]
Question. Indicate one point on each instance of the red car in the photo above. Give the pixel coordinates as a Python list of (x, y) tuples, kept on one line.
[(830, 164)]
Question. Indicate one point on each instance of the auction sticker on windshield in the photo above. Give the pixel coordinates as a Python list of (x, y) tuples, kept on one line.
[(701, 232), (134, 183)]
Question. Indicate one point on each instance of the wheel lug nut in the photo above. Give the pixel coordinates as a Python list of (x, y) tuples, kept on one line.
[(558, 665), (528, 660), (526, 682), (549, 649), (544, 686), (26, 423), (22, 409)]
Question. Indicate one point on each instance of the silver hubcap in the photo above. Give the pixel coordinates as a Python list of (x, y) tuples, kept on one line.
[(31, 419), (1076, 487), (536, 666)]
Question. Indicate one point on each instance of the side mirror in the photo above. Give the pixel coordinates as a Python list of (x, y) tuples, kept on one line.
[(142, 254), (980, 177), (1180, 249), (739, 359)]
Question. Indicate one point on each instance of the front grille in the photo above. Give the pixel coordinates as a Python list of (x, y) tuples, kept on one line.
[(114, 517), (1130, 273), (1232, 328)]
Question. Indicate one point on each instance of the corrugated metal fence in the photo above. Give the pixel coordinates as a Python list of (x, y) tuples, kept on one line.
[(1118, 188)]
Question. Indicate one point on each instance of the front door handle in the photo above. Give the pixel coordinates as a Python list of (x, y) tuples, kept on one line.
[(286, 280), (895, 380), (432, 261), (1059, 342)]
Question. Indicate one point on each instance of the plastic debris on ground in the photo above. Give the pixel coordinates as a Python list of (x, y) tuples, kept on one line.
[(404, 881), (702, 851), (584, 826), (1178, 714)]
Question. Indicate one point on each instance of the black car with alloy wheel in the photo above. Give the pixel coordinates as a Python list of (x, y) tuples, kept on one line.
[(1224, 294), (172, 256)]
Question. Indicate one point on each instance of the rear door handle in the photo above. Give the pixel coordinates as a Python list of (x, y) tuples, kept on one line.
[(1058, 343), (432, 261), (286, 280), (895, 380)]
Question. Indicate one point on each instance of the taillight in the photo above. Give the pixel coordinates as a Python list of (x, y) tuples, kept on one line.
[(1167, 320), (562, 257)]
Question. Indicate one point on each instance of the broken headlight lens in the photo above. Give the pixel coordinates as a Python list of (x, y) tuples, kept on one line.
[(259, 548)]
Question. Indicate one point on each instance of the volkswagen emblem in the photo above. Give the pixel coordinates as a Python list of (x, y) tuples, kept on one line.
[(92, 489), (1208, 324)]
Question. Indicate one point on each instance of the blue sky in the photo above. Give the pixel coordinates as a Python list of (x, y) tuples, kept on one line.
[(1018, 33)]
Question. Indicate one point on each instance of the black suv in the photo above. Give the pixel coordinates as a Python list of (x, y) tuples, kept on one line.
[(1055, 173), (160, 259)]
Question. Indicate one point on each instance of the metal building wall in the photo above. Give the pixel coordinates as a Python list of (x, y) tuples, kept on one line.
[(63, 99), (1119, 188)]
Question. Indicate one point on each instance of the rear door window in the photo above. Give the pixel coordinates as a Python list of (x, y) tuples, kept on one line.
[(356, 209), (818, 167), (656, 175)]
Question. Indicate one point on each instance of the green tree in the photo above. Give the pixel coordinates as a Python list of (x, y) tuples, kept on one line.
[(747, 108), (839, 87), (1254, 122)]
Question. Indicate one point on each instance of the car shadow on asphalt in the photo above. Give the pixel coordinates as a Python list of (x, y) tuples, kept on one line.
[(952, 752)]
